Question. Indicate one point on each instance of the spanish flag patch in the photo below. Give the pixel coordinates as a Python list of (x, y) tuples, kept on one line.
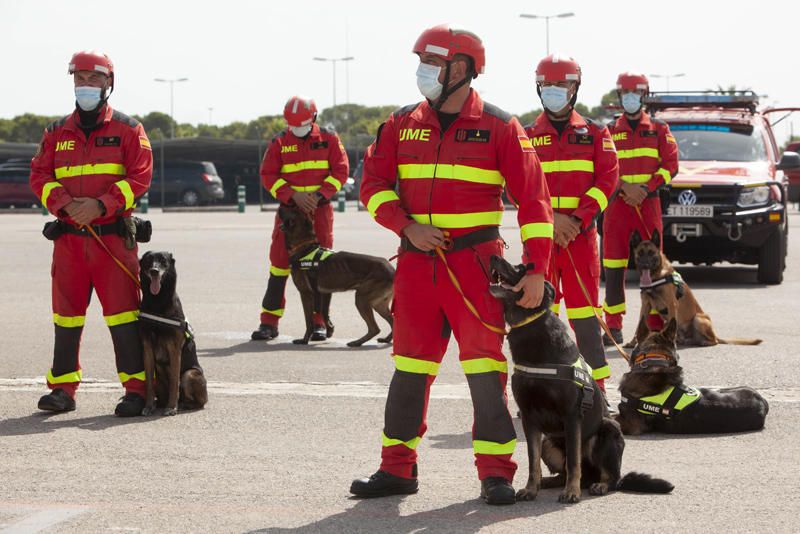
[(144, 142), (525, 143), (670, 139), (608, 145)]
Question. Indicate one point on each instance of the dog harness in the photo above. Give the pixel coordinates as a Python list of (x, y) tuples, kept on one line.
[(579, 373), (667, 404), (672, 278), (180, 324), (313, 259)]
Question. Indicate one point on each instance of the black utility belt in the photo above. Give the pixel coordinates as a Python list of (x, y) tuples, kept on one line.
[(126, 227), (490, 233)]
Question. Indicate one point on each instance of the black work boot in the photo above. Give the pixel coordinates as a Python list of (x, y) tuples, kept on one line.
[(616, 333), (320, 333), (265, 332), (57, 400), (497, 490), (131, 405), (382, 484)]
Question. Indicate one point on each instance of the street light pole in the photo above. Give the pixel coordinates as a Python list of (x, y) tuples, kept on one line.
[(171, 101), (668, 76), (547, 23), (333, 62)]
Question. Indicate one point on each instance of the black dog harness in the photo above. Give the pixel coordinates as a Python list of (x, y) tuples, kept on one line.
[(667, 404), (672, 278), (579, 373), (180, 324), (312, 259)]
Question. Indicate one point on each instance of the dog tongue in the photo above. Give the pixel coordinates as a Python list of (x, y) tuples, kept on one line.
[(155, 285), (645, 279)]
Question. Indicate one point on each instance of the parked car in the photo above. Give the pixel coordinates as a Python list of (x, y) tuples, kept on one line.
[(352, 187), (728, 201), (15, 189), (793, 175), (189, 183)]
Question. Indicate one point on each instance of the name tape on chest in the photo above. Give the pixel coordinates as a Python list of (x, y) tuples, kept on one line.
[(580, 139), (108, 141), (316, 145), (464, 135)]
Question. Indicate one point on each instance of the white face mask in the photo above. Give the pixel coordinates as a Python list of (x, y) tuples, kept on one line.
[(300, 131), (88, 97), (554, 98), (631, 102), (428, 81)]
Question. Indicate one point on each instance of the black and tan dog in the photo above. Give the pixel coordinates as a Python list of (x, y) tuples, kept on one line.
[(317, 273), (167, 341), (558, 398), (655, 398), (663, 289)]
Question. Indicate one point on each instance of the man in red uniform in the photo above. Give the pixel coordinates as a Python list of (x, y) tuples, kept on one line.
[(580, 164), (648, 159), (436, 171), (90, 168), (304, 167)]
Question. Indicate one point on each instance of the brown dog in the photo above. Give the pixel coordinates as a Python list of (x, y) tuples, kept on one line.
[(167, 341), (664, 290)]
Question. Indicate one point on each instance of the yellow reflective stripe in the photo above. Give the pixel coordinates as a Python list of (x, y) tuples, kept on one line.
[(122, 318), (636, 178), (380, 198), (616, 308), (48, 187), (277, 185), (615, 263), (74, 376), (69, 322), (483, 365), (555, 308), (90, 168), (413, 365), (306, 188), (466, 173), (389, 442), (531, 230), (334, 182), (277, 313), (564, 202), (568, 165), (277, 271), (127, 192), (582, 313), (601, 372), (124, 377), (305, 165), (490, 447), (637, 153), (599, 196), (460, 220), (665, 174)]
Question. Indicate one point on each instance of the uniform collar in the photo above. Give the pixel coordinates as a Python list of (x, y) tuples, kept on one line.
[(574, 122), (623, 124), (74, 120), (471, 110)]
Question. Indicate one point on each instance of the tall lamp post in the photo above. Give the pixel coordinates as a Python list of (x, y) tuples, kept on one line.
[(668, 76), (547, 23), (333, 62), (171, 101)]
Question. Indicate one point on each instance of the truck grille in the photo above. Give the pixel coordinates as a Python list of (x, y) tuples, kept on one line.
[(715, 195)]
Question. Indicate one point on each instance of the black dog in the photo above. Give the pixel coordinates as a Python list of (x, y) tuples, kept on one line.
[(167, 340), (317, 273), (557, 397), (655, 399)]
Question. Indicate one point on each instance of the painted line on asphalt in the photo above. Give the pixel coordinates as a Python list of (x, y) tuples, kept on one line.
[(38, 519)]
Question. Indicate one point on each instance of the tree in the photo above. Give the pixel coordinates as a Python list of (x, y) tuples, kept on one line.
[(28, 128), (157, 120)]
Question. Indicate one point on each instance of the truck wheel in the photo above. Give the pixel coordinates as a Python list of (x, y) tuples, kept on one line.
[(771, 258)]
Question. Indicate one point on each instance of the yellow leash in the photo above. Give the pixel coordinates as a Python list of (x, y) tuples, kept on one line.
[(119, 263)]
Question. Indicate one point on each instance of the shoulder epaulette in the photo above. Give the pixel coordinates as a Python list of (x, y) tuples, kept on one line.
[(494, 111), (278, 136), (57, 123), (125, 119), (405, 109)]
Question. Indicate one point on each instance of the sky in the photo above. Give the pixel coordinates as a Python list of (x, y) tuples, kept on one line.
[(244, 59)]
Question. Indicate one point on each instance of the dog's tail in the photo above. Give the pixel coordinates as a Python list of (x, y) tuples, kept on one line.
[(643, 483), (738, 341)]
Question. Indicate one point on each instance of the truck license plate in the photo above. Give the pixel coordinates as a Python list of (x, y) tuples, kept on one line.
[(696, 210)]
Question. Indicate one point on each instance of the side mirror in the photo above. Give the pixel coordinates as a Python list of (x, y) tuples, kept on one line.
[(789, 161)]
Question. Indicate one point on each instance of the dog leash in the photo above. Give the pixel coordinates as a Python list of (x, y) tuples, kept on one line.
[(644, 225), (119, 263)]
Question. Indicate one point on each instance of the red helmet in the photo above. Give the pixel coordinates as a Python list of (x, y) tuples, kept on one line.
[(300, 111), (632, 81), (445, 42), (556, 68), (94, 61)]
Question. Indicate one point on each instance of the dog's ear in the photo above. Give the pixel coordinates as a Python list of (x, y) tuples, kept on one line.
[(549, 294), (641, 332), (146, 256), (656, 238), (636, 238), (671, 330), (171, 259)]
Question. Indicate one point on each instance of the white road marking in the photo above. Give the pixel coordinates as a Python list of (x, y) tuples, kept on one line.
[(39, 519), (232, 335)]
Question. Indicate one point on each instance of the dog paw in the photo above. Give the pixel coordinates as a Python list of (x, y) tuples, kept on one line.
[(170, 411), (569, 497), (526, 494), (301, 341), (598, 488), (387, 339), (630, 344), (356, 343), (148, 410)]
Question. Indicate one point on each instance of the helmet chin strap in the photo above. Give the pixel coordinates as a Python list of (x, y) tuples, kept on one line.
[(446, 91)]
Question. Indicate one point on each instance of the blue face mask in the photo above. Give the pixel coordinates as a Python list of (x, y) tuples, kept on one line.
[(631, 103), (554, 98), (88, 97)]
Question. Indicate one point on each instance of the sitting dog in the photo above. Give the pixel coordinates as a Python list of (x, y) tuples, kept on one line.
[(557, 397), (167, 340), (655, 399), (664, 290), (318, 272)]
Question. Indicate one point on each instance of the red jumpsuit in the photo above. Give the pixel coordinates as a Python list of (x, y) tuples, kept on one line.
[(318, 163), (581, 169), (452, 179), (647, 156), (114, 165)]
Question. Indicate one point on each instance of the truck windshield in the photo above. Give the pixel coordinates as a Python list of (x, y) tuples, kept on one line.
[(712, 142)]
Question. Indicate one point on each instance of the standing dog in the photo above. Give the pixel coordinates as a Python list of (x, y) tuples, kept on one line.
[(557, 397), (317, 273), (167, 340), (664, 290), (655, 399)]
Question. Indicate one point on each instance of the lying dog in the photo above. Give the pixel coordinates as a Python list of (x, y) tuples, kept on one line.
[(557, 397), (655, 399), (167, 340), (664, 290), (318, 272)]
